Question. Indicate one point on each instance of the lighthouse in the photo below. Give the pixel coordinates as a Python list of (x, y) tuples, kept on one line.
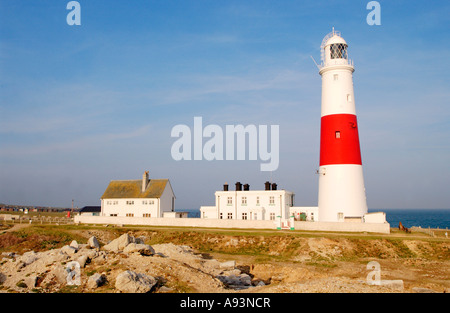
[(341, 183)]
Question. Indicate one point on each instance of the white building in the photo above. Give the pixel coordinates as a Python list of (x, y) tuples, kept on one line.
[(138, 198), (245, 204)]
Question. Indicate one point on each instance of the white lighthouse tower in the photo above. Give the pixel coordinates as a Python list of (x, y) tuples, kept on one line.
[(341, 183)]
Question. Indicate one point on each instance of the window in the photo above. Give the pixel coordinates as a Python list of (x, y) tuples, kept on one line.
[(335, 77), (130, 202), (130, 214), (338, 51), (272, 216), (221, 215), (255, 216), (272, 200), (229, 201), (244, 200), (151, 201), (337, 134), (112, 214), (349, 98), (230, 216), (340, 216), (244, 216), (144, 202), (257, 200), (146, 215), (115, 202)]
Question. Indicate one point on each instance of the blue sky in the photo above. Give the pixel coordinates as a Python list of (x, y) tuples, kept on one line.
[(83, 105)]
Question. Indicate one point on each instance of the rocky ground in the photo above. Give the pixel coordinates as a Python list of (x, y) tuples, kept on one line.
[(105, 262)]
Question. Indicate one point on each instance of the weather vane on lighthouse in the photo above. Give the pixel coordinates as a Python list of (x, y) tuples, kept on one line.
[(341, 183)]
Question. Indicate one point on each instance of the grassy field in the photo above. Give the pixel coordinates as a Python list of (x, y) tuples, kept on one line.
[(265, 244), (284, 257)]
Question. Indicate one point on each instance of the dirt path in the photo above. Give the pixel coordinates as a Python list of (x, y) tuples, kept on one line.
[(15, 227)]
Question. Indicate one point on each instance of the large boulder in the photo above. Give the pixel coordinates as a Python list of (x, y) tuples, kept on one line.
[(26, 259), (93, 243), (131, 282), (119, 244), (69, 250), (236, 281), (96, 280), (74, 244), (141, 248)]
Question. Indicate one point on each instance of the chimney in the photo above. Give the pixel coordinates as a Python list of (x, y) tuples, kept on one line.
[(225, 187), (238, 186), (246, 187), (267, 185), (144, 181), (274, 186)]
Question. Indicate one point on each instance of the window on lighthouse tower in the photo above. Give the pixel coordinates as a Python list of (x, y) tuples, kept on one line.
[(338, 51)]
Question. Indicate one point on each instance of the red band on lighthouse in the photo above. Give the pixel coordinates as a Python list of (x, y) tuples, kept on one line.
[(339, 140)]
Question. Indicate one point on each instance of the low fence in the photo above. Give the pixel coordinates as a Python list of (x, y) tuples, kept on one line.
[(232, 223), (20, 219), (427, 231)]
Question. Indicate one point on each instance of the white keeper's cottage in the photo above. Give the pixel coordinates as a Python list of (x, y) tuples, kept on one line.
[(138, 198), (245, 204)]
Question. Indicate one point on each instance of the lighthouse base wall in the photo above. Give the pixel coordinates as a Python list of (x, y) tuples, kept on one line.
[(341, 193), (383, 228)]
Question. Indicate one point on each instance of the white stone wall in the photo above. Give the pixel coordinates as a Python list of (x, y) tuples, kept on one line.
[(225, 223)]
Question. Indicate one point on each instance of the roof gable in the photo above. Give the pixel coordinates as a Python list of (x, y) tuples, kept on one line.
[(119, 189)]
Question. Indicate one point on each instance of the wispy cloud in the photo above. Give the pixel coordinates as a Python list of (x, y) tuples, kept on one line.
[(79, 145)]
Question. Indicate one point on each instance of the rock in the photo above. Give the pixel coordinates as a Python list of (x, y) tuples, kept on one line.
[(90, 253), (100, 258), (2, 278), (131, 282), (57, 274), (93, 243), (143, 249), (96, 281), (236, 280), (10, 255), (26, 259), (69, 250), (74, 244), (119, 244), (82, 260), (393, 284), (228, 264), (235, 272), (422, 290), (29, 257), (165, 289), (30, 281)]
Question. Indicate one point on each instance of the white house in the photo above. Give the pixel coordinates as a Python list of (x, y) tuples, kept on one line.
[(245, 204), (138, 198)]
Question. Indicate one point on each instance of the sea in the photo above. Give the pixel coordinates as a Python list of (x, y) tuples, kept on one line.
[(425, 218)]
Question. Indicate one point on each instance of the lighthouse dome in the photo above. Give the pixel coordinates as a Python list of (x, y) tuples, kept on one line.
[(334, 50), (335, 39)]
